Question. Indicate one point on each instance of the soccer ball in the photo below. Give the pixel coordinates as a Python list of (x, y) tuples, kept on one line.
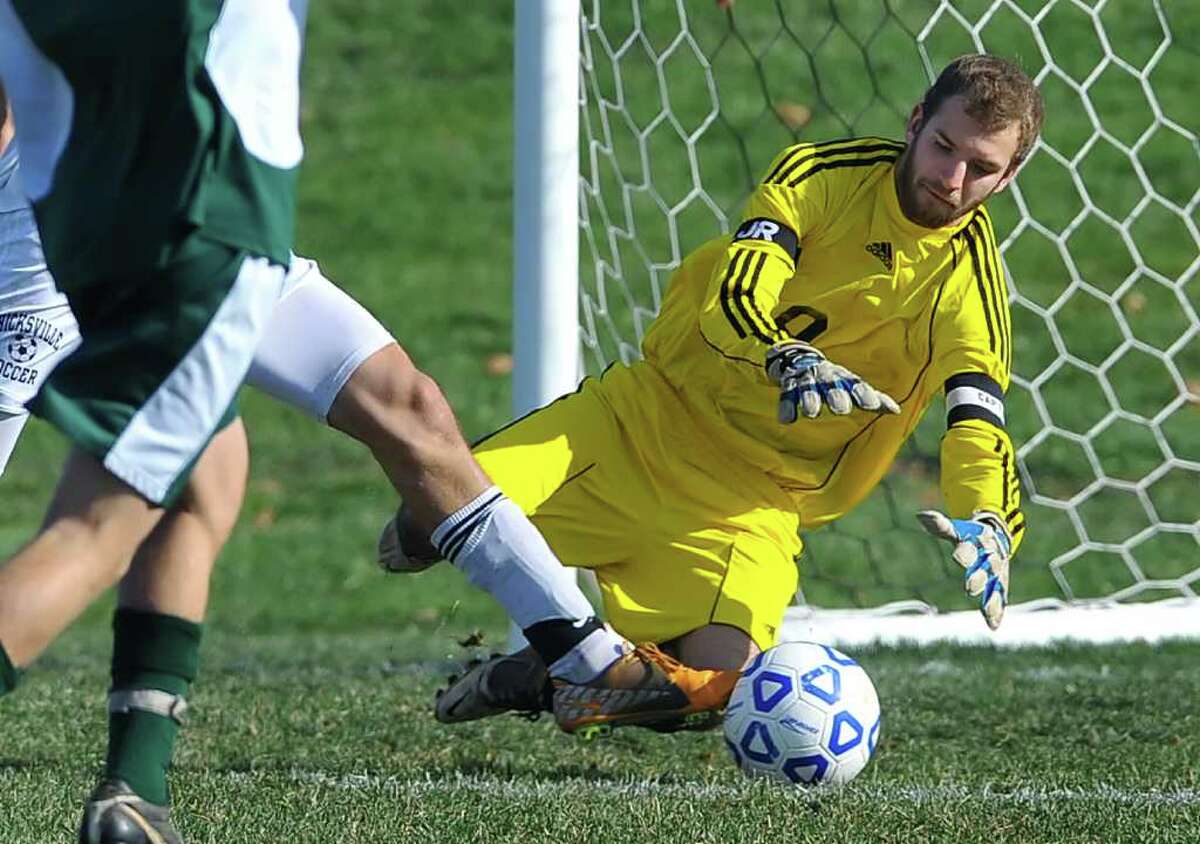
[(803, 713), (22, 348)]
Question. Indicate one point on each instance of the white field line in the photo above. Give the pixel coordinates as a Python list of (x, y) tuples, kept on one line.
[(1036, 623), (552, 789)]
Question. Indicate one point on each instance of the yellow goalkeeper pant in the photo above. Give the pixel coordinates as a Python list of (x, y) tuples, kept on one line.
[(679, 536)]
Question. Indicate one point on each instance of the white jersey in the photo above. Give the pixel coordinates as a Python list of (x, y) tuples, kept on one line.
[(11, 195), (37, 328), (24, 279)]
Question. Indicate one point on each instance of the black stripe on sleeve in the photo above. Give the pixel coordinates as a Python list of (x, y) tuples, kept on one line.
[(759, 324), (977, 263), (972, 411), (784, 162), (1005, 314), (727, 286), (1017, 522), (842, 163), (988, 407), (991, 268), (801, 156), (794, 155), (1004, 471), (978, 380)]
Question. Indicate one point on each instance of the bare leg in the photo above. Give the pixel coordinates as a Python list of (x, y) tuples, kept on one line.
[(399, 413), (156, 641), (716, 646), (94, 524), (170, 572), (92, 530)]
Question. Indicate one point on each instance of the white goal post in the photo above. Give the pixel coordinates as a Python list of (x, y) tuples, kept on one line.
[(641, 126)]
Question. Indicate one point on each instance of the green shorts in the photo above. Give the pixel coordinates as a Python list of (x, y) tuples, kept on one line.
[(161, 362)]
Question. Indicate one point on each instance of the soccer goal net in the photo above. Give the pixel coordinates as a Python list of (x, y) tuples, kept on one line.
[(683, 104)]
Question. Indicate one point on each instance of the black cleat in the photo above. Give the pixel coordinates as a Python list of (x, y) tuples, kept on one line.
[(114, 814), (515, 682)]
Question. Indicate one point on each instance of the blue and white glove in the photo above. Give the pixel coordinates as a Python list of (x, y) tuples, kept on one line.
[(982, 547), (807, 380)]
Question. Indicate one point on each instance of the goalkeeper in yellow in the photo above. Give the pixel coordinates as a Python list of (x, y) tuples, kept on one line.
[(789, 362)]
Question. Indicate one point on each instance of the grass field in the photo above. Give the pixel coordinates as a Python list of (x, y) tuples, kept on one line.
[(320, 736), (310, 719)]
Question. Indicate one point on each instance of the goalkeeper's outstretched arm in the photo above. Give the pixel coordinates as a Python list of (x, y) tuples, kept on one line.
[(979, 472), (980, 487), (982, 494)]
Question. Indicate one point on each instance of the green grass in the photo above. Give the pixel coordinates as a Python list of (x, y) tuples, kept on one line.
[(317, 738), (310, 719)]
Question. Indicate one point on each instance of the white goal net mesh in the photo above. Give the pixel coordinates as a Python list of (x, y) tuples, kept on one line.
[(683, 104)]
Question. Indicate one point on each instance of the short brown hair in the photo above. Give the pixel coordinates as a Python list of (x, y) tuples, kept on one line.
[(997, 94)]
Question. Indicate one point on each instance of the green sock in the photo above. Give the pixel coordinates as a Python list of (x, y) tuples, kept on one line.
[(150, 651), (9, 674)]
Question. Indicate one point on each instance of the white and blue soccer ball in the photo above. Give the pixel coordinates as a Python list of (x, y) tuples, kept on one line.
[(803, 713)]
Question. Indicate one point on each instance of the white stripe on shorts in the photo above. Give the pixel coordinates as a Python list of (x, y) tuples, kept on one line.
[(177, 421)]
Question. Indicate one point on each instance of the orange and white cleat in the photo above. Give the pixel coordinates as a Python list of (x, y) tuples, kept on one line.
[(644, 688)]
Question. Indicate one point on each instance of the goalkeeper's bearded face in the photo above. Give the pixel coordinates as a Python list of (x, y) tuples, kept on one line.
[(952, 164)]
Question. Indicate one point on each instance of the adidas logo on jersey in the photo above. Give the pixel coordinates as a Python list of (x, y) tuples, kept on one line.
[(882, 250)]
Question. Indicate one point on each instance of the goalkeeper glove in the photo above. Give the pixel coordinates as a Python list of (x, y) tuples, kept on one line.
[(807, 379), (982, 547)]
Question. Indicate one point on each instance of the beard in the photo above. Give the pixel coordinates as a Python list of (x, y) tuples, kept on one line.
[(918, 205)]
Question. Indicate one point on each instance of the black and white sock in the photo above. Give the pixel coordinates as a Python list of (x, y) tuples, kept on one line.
[(499, 550)]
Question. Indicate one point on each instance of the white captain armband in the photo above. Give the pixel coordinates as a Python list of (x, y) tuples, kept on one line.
[(973, 395)]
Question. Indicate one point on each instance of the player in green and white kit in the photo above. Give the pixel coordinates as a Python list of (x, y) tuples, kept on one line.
[(139, 312), (159, 143), (164, 192)]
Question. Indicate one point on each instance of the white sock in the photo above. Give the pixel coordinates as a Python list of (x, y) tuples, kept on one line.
[(591, 657), (501, 552)]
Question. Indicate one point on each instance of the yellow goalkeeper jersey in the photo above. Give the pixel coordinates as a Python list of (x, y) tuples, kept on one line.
[(824, 254)]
